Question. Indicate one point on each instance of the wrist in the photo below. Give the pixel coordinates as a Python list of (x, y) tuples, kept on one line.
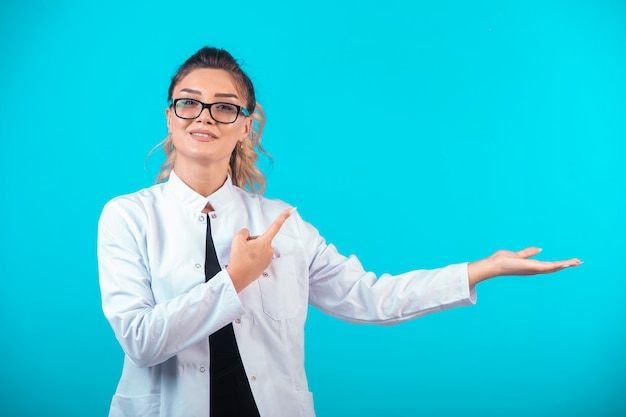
[(480, 270), (233, 274)]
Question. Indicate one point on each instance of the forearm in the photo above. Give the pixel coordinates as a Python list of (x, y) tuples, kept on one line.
[(152, 333)]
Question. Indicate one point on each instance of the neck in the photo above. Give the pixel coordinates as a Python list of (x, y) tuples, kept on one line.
[(204, 180)]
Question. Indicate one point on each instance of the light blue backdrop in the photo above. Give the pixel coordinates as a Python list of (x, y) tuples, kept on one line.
[(413, 134)]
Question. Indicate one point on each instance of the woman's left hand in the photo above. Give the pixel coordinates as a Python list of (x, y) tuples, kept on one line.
[(504, 262)]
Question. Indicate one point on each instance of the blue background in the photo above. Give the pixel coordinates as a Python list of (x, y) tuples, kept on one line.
[(413, 134)]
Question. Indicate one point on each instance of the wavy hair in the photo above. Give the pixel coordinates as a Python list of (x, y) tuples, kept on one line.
[(242, 167)]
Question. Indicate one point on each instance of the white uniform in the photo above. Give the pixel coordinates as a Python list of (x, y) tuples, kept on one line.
[(151, 254)]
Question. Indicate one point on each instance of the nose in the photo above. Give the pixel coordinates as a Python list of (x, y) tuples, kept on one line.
[(205, 116)]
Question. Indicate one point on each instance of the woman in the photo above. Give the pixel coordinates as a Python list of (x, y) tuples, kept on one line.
[(206, 285)]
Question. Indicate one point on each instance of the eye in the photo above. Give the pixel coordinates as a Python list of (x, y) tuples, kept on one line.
[(225, 107), (187, 102)]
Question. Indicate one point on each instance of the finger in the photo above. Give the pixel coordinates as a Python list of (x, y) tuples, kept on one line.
[(245, 233), (274, 228), (528, 252), (548, 267), (571, 262), (556, 265)]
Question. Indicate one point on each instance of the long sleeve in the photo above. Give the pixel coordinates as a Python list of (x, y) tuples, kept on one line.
[(151, 332), (340, 287)]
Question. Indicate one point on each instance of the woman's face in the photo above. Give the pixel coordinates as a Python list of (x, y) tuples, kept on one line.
[(203, 140)]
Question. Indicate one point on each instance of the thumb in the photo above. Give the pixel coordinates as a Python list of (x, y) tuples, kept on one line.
[(528, 252), (244, 233)]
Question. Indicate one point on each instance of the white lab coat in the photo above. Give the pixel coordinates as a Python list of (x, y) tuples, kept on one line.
[(151, 253)]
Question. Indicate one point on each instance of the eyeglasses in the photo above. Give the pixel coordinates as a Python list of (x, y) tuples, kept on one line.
[(188, 108)]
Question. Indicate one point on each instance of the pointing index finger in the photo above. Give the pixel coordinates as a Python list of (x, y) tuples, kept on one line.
[(274, 228)]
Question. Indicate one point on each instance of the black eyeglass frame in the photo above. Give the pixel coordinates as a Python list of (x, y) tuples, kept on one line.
[(240, 109)]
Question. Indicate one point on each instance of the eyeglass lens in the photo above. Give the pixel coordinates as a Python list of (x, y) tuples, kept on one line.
[(220, 112)]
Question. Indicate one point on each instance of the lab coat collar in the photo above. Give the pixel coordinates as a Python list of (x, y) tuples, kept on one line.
[(196, 202)]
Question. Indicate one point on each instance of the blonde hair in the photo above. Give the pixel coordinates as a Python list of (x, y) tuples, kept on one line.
[(242, 167)]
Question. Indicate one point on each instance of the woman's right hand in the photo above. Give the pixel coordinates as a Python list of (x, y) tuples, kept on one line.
[(251, 255)]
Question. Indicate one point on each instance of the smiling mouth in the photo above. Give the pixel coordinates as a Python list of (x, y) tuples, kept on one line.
[(202, 136)]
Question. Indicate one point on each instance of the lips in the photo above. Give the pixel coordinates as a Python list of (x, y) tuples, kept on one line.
[(202, 135)]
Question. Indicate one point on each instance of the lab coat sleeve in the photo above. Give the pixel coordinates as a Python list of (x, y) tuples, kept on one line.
[(151, 333), (340, 287)]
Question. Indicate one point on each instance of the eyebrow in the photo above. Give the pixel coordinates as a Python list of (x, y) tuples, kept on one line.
[(192, 91), (189, 90), (226, 95)]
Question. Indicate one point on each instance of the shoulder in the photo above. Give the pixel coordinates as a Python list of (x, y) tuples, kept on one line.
[(148, 194), (268, 209), (268, 206), (132, 205)]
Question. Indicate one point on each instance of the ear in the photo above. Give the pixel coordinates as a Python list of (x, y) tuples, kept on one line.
[(168, 116), (246, 128)]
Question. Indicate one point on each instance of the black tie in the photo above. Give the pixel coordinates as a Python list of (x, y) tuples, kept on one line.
[(230, 390)]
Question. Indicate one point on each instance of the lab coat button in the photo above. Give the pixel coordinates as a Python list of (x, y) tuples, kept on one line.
[(238, 321), (253, 378), (265, 274), (202, 369), (214, 215), (201, 219), (198, 266)]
